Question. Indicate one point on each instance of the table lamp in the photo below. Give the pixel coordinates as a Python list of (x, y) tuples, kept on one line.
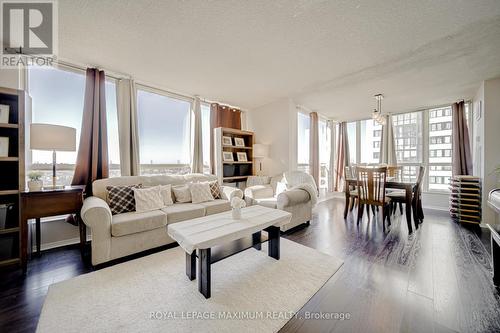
[(54, 138), (260, 151)]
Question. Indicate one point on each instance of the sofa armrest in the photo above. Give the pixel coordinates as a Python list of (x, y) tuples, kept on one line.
[(95, 213), (292, 198), (259, 191), (229, 192)]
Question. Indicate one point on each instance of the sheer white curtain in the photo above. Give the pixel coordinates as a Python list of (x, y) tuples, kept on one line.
[(197, 159), (127, 127), (387, 146)]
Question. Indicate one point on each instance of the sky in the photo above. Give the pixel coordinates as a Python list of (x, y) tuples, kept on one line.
[(163, 122), (57, 98)]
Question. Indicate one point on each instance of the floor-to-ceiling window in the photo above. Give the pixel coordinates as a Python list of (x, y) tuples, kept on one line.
[(164, 133), (370, 136), (421, 138), (303, 128), (408, 139), (61, 103)]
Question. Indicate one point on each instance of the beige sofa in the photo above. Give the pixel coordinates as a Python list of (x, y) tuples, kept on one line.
[(299, 198), (115, 236)]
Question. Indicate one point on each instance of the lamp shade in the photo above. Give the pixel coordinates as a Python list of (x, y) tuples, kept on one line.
[(52, 137), (260, 150)]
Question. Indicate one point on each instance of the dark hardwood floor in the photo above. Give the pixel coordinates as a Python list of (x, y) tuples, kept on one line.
[(438, 279)]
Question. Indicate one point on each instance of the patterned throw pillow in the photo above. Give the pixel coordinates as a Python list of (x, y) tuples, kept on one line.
[(200, 192), (147, 199), (215, 189), (121, 198), (182, 193), (166, 194)]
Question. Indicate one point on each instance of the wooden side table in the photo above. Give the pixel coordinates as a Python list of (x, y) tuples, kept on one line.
[(45, 203)]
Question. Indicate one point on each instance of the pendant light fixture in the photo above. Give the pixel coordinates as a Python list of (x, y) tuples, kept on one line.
[(377, 112)]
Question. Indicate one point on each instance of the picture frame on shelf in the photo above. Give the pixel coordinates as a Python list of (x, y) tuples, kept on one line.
[(4, 113), (242, 157), (4, 146), (227, 141), (227, 156), (239, 142)]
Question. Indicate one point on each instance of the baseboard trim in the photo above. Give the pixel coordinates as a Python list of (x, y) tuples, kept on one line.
[(61, 243)]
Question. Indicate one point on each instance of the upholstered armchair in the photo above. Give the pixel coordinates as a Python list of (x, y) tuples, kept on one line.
[(293, 191)]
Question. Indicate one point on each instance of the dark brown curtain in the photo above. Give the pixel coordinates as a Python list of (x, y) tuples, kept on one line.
[(314, 147), (92, 160), (222, 116), (342, 157), (462, 159)]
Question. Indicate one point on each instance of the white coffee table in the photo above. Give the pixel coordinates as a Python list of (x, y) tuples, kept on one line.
[(206, 232)]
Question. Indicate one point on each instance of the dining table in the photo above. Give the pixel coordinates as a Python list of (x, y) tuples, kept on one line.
[(391, 183)]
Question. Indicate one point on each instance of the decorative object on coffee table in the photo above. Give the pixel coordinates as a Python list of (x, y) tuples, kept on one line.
[(237, 204), (35, 182), (206, 232), (53, 138)]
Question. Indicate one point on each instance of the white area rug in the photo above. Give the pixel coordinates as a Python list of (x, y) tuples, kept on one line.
[(125, 297)]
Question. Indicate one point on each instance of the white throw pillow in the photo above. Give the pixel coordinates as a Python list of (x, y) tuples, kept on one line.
[(182, 193), (280, 188), (200, 192), (147, 199), (166, 194)]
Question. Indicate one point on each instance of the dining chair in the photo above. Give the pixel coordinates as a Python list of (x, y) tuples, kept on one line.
[(395, 171), (349, 172), (416, 202), (371, 191)]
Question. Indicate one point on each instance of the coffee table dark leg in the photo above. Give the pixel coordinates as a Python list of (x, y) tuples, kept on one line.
[(204, 272), (274, 242), (256, 240), (191, 265), (495, 252)]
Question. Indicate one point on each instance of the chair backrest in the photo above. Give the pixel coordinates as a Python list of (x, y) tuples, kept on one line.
[(420, 177), (371, 185), (395, 171)]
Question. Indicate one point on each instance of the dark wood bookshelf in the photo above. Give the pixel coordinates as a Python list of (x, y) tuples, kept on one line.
[(12, 177)]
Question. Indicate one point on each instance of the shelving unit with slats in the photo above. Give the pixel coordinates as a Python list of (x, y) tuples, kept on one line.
[(233, 171), (465, 199), (12, 177)]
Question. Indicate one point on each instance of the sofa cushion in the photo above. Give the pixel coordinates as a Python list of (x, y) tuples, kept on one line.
[(183, 211), (134, 222), (147, 199), (216, 206), (215, 189), (182, 193), (267, 202), (200, 192)]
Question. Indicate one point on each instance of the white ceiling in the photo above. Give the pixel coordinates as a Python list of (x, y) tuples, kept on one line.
[(330, 56)]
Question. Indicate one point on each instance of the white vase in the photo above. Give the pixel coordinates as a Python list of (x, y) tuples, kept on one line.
[(236, 213), (35, 185)]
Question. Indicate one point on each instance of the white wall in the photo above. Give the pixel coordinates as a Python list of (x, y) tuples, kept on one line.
[(274, 124), (9, 78), (487, 143)]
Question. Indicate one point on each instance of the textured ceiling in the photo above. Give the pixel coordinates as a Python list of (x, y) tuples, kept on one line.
[(330, 56)]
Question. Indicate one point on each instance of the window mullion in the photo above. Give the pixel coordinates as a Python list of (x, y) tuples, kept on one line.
[(425, 148)]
